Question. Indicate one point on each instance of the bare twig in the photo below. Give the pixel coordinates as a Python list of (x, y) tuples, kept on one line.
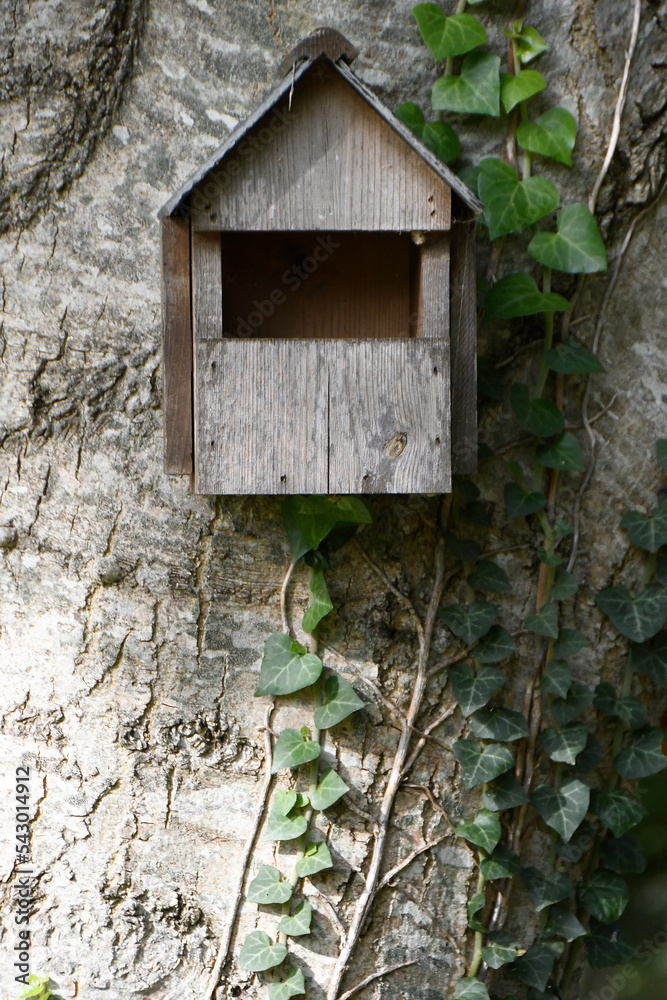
[(425, 735), (429, 913), (376, 975), (387, 702), (448, 661), (338, 923), (386, 879), (393, 588), (431, 797), (283, 597)]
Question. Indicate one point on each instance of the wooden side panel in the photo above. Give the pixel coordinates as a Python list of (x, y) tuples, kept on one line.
[(328, 162), (389, 417), (464, 349), (262, 412), (434, 290), (176, 347), (207, 286)]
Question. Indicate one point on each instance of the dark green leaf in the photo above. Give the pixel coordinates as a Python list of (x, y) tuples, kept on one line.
[(514, 89), (562, 528), (502, 864), (623, 855), (473, 691), (605, 896), (488, 380), (567, 709), (546, 889), (469, 622), (341, 700), (474, 906), (484, 830), (476, 91), (259, 953), (651, 658), (579, 843), (299, 923), (510, 204), (590, 756), (319, 604), (557, 678), (448, 36), (643, 758), (661, 452), (565, 585), (637, 616), (479, 766), (489, 575), (548, 558), (518, 295), (520, 502), (286, 666), (292, 985), (563, 453), (648, 531), (536, 966), (564, 745), (546, 623), (607, 945), (291, 750), (501, 949), (633, 711), (618, 810), (499, 724), (330, 789), (661, 569), (552, 135), (466, 549), (439, 137), (308, 520), (536, 416), (505, 794), (470, 989), (478, 512), (497, 645), (316, 859), (269, 886), (569, 642), (572, 358), (576, 248), (565, 924), (562, 810)]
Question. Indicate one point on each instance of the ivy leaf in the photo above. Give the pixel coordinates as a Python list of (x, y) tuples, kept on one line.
[(528, 43), (481, 765), (643, 758), (536, 416), (552, 135), (661, 453), (286, 666), (319, 604), (489, 575), (563, 453), (629, 709), (566, 710), (469, 622), (618, 810), (525, 84), (637, 616), (505, 794), (564, 809), (439, 137), (565, 585), (623, 855), (269, 886), (557, 678), (578, 845), (282, 827), (569, 642), (308, 520), (259, 953), (564, 745), (545, 623), (476, 91), (292, 985), (299, 923), (502, 864), (284, 802), (520, 502), (546, 889), (291, 750), (518, 295), (484, 830), (576, 248), (473, 691), (590, 756), (562, 528), (466, 549), (341, 700), (510, 204), (470, 989), (330, 789), (497, 645), (651, 658), (474, 905), (572, 358), (605, 896), (502, 948), (502, 724), (648, 531), (607, 946), (565, 924), (536, 966), (448, 36), (316, 859)]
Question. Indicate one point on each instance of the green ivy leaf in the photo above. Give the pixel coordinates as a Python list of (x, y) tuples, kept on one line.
[(565, 924), (536, 416), (502, 864), (502, 724), (330, 789), (564, 585), (505, 794), (643, 758), (448, 36), (282, 827), (291, 750), (545, 623), (607, 945), (520, 502), (629, 709), (619, 810), (562, 528), (439, 137), (469, 622), (562, 809), (501, 949), (518, 295), (648, 531), (286, 666), (572, 358), (259, 953), (536, 966), (316, 859), (299, 923), (497, 645), (564, 745), (549, 559), (528, 43), (319, 604), (484, 830), (651, 658), (546, 889), (605, 896), (470, 989), (341, 701), (579, 844), (292, 985), (623, 855), (637, 616), (552, 135), (474, 905), (269, 886), (510, 204), (661, 453), (576, 248), (557, 678), (490, 576), (566, 710), (563, 453), (569, 642), (308, 520), (475, 92), (473, 691), (514, 89), (466, 549), (590, 756), (481, 765)]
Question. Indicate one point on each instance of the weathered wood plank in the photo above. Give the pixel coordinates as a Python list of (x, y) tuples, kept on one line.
[(262, 412), (389, 408), (206, 286), (464, 349), (176, 347), (433, 293)]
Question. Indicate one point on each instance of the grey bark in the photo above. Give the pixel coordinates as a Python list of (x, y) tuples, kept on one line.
[(133, 612)]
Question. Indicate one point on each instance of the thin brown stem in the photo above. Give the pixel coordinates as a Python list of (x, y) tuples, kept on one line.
[(376, 975), (405, 600)]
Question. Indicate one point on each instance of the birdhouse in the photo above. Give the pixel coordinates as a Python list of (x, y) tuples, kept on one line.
[(319, 299)]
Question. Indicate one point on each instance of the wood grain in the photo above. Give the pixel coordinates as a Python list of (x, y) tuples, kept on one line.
[(206, 286), (176, 347), (433, 289), (464, 349)]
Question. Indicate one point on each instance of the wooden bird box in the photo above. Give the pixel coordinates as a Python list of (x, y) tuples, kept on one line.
[(319, 299)]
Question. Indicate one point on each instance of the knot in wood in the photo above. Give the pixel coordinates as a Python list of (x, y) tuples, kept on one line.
[(320, 42), (396, 444)]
